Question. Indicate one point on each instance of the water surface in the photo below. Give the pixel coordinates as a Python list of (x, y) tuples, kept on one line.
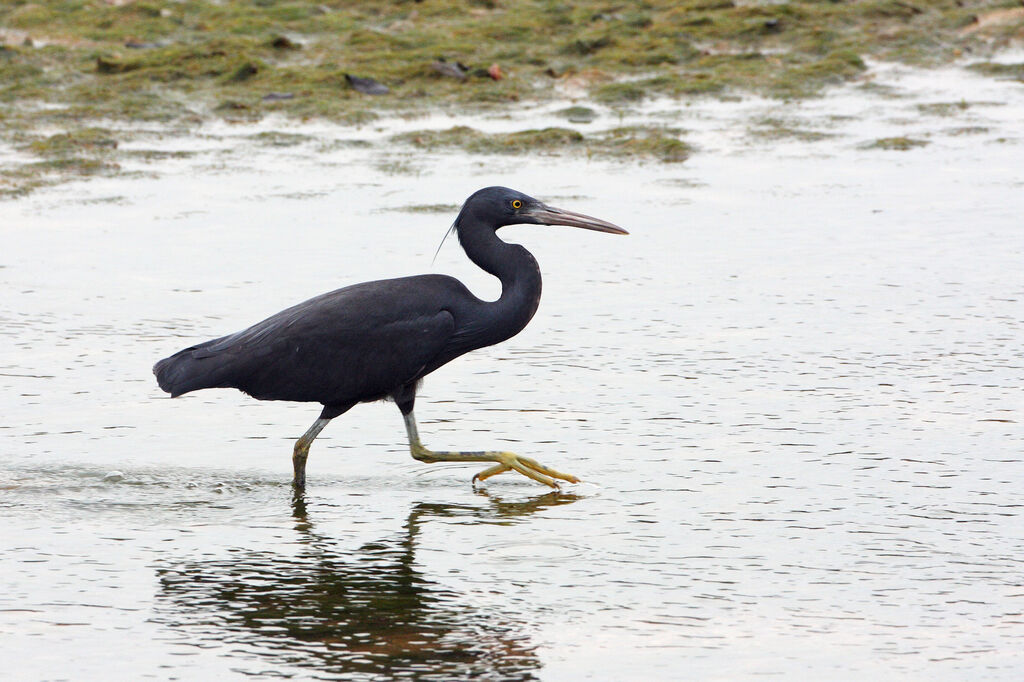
[(793, 394)]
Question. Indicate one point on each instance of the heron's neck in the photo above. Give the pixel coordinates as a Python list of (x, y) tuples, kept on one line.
[(518, 272)]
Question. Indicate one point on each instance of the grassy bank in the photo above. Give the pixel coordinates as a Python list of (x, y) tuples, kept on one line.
[(76, 66)]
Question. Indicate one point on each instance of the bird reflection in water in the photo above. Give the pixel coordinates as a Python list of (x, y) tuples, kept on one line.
[(368, 613)]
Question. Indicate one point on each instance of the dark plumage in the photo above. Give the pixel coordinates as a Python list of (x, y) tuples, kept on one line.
[(378, 339)]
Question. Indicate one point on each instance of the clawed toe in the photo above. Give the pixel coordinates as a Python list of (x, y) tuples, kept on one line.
[(527, 467)]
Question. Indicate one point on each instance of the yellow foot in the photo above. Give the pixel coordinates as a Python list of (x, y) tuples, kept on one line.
[(530, 468)]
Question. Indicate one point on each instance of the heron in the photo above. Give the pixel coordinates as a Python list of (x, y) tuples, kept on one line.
[(377, 340)]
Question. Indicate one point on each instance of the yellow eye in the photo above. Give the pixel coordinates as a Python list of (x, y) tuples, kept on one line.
[(517, 204)]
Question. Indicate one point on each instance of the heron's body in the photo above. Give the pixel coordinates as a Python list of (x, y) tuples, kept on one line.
[(353, 345), (378, 339)]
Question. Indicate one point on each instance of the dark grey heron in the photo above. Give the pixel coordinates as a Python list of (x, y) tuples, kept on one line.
[(378, 340)]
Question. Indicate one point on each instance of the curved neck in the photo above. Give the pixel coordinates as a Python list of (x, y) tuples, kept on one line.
[(517, 270)]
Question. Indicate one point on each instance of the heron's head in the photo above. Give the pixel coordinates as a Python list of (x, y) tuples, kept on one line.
[(496, 207)]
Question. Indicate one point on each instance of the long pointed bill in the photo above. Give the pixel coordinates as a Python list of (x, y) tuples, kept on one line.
[(548, 215)]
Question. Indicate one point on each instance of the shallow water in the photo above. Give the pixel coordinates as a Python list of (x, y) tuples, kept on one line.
[(793, 393)]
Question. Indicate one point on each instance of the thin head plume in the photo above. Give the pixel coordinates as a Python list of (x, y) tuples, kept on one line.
[(450, 230)]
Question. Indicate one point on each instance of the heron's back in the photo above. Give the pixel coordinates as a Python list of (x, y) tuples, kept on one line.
[(351, 345)]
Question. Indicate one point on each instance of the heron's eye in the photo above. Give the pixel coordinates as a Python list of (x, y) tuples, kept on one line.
[(516, 204)]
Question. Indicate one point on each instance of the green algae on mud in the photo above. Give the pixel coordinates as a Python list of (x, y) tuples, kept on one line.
[(627, 141), (900, 143), (771, 128), (68, 64), (81, 152), (427, 208), (1000, 70)]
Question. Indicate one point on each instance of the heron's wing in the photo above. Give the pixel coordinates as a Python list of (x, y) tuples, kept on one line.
[(351, 345)]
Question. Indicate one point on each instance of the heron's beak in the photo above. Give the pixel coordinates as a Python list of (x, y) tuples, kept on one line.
[(548, 215)]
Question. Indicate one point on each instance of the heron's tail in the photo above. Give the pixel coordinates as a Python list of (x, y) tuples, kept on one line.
[(190, 370)]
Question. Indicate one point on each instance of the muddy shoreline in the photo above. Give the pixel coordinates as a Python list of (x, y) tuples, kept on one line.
[(81, 85)]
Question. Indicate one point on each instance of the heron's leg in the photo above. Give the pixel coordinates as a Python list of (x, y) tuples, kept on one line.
[(506, 461), (301, 451)]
